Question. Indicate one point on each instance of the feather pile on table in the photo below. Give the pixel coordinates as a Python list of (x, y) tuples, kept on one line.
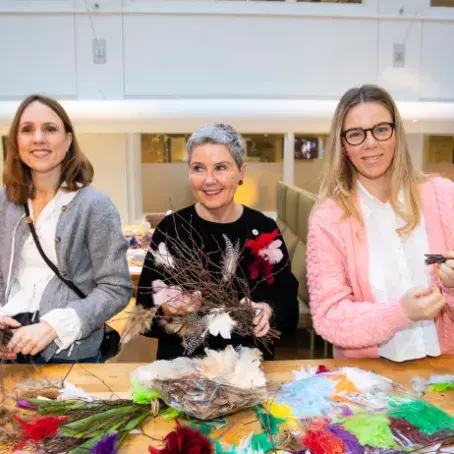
[(223, 403), (221, 383), (222, 297), (351, 410)]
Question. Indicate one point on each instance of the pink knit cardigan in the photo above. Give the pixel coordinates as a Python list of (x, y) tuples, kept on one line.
[(343, 308)]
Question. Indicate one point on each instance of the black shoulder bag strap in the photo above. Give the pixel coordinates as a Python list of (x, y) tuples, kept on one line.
[(111, 338), (51, 265)]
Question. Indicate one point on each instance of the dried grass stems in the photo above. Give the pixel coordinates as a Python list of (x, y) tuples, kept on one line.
[(10, 430), (222, 286)]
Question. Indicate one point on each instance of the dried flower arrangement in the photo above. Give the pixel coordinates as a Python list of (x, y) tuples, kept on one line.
[(222, 297)]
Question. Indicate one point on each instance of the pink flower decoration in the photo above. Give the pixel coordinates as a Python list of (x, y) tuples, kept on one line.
[(272, 253), (162, 294)]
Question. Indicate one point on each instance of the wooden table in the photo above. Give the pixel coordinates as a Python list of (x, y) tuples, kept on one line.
[(135, 272), (95, 378)]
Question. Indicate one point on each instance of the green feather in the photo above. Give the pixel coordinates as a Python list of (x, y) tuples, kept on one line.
[(371, 429), (102, 422), (169, 414), (440, 387), (269, 423), (423, 415), (144, 396), (261, 442), (220, 450)]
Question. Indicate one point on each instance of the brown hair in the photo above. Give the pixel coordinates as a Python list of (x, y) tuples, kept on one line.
[(339, 175), (77, 170)]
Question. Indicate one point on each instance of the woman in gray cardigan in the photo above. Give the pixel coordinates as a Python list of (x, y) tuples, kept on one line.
[(47, 203)]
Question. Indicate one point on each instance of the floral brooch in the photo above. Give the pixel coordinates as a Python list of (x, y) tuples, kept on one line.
[(266, 251)]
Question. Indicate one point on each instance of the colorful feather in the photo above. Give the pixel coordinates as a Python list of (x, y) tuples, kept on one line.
[(372, 430), (323, 442), (351, 443), (107, 445), (184, 440), (423, 415), (38, 429)]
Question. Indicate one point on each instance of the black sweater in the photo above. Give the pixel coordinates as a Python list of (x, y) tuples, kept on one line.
[(280, 294)]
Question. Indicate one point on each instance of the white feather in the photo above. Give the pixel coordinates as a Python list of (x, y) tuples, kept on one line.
[(241, 369), (162, 256), (162, 369), (305, 372), (248, 373), (366, 381), (220, 323), (71, 392), (436, 379)]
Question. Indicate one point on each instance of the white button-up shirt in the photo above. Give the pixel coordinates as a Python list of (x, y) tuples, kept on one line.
[(396, 264), (33, 276)]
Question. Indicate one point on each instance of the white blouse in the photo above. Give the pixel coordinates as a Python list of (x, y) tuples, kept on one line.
[(396, 264), (33, 276)]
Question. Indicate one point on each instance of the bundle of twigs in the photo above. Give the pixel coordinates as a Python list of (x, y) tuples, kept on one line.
[(215, 288), (207, 399)]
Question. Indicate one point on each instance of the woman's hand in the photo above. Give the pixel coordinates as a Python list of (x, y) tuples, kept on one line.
[(262, 318), (446, 271), (422, 303), (32, 339), (183, 304), (7, 323)]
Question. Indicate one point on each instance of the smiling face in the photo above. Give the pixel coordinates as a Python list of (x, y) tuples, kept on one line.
[(214, 175), (41, 139), (372, 158)]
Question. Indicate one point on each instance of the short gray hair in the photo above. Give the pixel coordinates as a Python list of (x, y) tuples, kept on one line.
[(218, 134)]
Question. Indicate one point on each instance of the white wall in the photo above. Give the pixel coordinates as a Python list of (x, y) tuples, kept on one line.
[(222, 49), (107, 153)]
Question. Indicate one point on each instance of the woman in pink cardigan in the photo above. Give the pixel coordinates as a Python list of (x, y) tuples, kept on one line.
[(372, 295)]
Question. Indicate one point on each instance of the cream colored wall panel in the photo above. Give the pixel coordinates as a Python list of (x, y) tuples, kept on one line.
[(37, 52), (194, 55), (107, 153), (437, 60)]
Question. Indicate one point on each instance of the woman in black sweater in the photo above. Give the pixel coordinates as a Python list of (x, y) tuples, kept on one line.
[(214, 224)]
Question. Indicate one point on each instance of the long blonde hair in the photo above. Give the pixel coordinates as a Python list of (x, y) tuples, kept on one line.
[(340, 177)]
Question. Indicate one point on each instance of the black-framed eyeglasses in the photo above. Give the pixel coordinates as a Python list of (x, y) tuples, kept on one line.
[(381, 132)]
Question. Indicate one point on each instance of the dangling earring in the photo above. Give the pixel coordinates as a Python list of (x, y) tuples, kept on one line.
[(240, 182)]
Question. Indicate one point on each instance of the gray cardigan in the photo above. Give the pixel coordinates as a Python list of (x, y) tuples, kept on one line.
[(91, 252)]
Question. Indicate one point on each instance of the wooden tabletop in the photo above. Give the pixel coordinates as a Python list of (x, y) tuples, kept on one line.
[(97, 379)]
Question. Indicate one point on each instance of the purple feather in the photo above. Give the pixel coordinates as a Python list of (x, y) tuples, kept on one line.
[(26, 405), (107, 445), (346, 411), (351, 443)]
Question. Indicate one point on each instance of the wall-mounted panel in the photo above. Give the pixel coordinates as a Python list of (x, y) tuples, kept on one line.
[(99, 78), (401, 78), (36, 5), (437, 60), (37, 52)]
